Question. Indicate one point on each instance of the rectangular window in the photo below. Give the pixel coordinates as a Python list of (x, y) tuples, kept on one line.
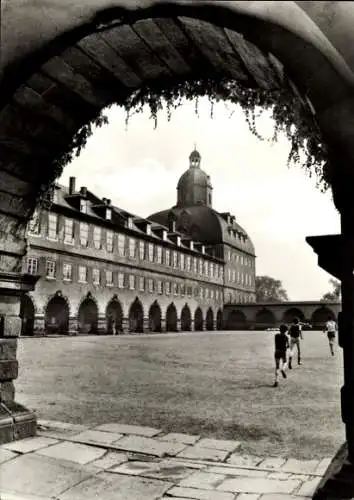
[(121, 245), (69, 231), (109, 278), (234, 275), (132, 247), (32, 265), (175, 259), (206, 268), (242, 278), (97, 237), (189, 291), (238, 276), (130, 223), (201, 293), (108, 213), (95, 276), (151, 252), (188, 262), (50, 269), (195, 265), (201, 266), (181, 261), (120, 280), (142, 284), (52, 226), (159, 255), (82, 274), (159, 287), (142, 250), (151, 285), (167, 257), (207, 293), (175, 289), (34, 223), (131, 282), (148, 229), (67, 272), (84, 229), (211, 269), (221, 271), (109, 241), (229, 274), (183, 290), (216, 271), (212, 294), (167, 288), (83, 206)]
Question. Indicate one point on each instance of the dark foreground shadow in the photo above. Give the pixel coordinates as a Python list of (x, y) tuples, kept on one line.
[(338, 480)]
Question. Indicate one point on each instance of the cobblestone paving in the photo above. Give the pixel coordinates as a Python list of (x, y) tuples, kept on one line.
[(127, 462)]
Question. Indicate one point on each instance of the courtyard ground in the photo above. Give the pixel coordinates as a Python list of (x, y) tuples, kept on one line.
[(216, 384)]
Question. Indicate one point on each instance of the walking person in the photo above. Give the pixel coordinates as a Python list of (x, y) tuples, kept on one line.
[(295, 332), (330, 329), (281, 342)]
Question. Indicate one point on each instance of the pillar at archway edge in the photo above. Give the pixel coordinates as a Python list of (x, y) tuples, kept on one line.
[(16, 421), (336, 256)]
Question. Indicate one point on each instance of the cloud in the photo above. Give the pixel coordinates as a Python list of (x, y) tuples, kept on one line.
[(139, 167)]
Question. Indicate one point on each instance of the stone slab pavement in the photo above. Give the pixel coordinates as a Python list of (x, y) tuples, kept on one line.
[(127, 462)]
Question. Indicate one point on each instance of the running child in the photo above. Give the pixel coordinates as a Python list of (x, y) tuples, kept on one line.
[(281, 345), (330, 329), (295, 332)]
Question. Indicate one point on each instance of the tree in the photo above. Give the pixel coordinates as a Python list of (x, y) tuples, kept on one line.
[(336, 292), (270, 290)]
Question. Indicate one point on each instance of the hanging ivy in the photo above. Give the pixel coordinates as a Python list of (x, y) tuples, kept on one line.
[(291, 115)]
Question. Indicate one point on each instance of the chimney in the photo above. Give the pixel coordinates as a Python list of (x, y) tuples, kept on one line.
[(83, 191), (104, 201), (108, 201), (72, 181), (172, 226)]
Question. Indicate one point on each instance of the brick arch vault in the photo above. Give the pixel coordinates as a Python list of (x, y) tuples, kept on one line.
[(61, 65)]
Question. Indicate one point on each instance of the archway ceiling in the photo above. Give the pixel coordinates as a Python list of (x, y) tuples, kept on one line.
[(69, 89), (66, 91)]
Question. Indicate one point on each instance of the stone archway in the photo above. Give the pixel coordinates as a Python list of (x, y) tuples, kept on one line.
[(265, 318), (236, 320), (114, 317), (155, 317), (136, 317), (186, 319), (56, 317), (291, 313), (27, 314), (171, 318), (320, 316), (209, 319), (198, 320), (219, 320), (88, 317)]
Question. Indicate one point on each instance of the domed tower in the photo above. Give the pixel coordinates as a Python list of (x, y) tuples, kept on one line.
[(194, 186)]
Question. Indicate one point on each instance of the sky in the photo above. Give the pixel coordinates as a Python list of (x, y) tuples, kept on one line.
[(138, 167)]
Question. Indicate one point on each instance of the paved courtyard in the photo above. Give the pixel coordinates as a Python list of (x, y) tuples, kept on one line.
[(215, 385), (127, 462)]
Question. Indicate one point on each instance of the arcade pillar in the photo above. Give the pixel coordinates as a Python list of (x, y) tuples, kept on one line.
[(16, 421)]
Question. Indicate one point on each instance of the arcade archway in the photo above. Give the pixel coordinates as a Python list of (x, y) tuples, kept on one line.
[(186, 319), (88, 317), (171, 318), (155, 317), (56, 317), (198, 320), (264, 318), (136, 317), (321, 316), (219, 320), (114, 317), (209, 319), (292, 313), (27, 314), (236, 321)]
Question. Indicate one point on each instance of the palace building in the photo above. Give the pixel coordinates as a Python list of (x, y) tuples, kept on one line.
[(105, 270)]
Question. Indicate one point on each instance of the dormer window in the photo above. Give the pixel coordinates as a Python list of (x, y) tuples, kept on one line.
[(191, 245), (148, 229), (178, 241), (83, 206), (108, 214), (164, 235), (130, 222), (203, 249)]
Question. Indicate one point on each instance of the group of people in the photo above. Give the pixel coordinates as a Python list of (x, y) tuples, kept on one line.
[(288, 338)]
